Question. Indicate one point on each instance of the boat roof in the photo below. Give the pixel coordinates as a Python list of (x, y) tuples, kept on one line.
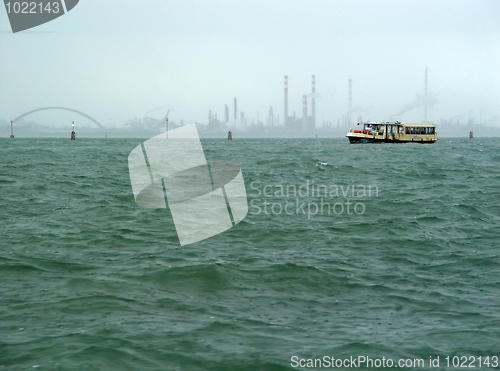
[(417, 125), (397, 123)]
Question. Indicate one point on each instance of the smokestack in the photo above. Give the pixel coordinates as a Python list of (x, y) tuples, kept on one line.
[(304, 112), (235, 109), (350, 102), (286, 101), (313, 101), (226, 114), (425, 97)]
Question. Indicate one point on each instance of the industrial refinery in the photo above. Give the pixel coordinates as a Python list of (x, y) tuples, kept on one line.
[(291, 123)]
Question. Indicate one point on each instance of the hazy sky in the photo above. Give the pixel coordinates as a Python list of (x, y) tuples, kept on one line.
[(116, 60)]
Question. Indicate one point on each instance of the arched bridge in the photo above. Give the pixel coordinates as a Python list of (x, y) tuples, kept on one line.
[(65, 109)]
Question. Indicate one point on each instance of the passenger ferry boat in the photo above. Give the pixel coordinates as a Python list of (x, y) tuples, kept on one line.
[(393, 133)]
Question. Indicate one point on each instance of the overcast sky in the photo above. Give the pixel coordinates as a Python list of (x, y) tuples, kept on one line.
[(116, 60)]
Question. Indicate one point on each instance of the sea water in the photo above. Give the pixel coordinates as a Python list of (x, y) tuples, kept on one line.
[(382, 251)]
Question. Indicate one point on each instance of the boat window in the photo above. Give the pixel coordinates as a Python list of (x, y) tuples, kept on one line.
[(425, 130)]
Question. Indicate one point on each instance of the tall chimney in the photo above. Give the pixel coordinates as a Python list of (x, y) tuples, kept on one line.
[(304, 112), (425, 97), (235, 109), (285, 120), (313, 101), (350, 103)]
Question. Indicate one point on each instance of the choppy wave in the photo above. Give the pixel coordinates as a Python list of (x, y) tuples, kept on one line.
[(92, 281)]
